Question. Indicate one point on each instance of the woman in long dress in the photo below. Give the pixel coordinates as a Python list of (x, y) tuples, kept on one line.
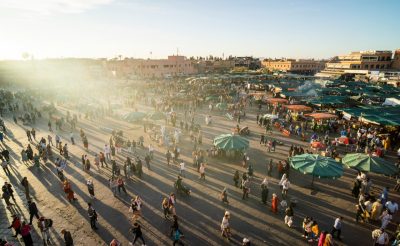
[(274, 203), (225, 228), (264, 191)]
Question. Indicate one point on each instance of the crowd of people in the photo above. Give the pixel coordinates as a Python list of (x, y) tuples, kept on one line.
[(39, 149)]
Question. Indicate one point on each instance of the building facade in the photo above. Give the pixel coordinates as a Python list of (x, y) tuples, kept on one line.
[(396, 60), (151, 68), (247, 62), (294, 66), (360, 62), (214, 66)]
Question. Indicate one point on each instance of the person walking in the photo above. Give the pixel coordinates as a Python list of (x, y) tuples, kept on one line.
[(274, 203), (44, 226), (49, 125), (7, 187), (285, 187), (137, 232), (136, 208), (71, 135), (165, 207), (24, 156), (6, 154), (113, 185), (245, 188), (113, 167), (202, 171), (121, 185), (87, 165), (67, 237), (97, 162), (264, 191), (168, 156), (236, 178), (289, 215), (128, 164), (182, 169), (380, 237), (4, 165), (6, 196), (337, 227), (224, 196), (85, 143), (107, 152), (50, 139), (28, 134), (90, 187), (270, 167), (33, 211), (102, 159), (33, 133), (16, 225), (25, 184), (139, 168), (147, 159), (92, 216), (26, 234), (68, 191), (225, 226), (175, 225)]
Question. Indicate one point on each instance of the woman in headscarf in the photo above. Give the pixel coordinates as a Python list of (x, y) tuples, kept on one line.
[(68, 190), (264, 191), (225, 229)]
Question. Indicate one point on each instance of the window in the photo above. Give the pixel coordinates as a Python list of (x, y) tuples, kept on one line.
[(366, 66), (372, 66)]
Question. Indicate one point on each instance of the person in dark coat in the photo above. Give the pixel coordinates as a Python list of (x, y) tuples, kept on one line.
[(33, 211), (67, 238)]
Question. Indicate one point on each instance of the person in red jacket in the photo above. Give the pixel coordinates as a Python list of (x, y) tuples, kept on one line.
[(16, 225)]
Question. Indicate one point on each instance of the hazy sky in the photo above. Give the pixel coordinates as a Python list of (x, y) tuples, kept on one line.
[(134, 28)]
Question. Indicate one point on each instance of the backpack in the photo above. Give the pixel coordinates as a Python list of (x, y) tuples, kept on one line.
[(48, 223)]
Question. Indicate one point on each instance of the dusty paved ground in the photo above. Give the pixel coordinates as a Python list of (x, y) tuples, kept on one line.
[(200, 214)]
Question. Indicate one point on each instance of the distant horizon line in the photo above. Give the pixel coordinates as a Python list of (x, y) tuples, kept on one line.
[(224, 57)]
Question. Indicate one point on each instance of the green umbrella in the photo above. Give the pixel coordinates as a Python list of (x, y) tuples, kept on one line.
[(369, 163), (156, 116), (134, 116), (317, 166), (231, 142), (221, 106)]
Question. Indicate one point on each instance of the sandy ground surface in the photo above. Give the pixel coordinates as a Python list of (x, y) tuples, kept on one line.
[(201, 213)]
